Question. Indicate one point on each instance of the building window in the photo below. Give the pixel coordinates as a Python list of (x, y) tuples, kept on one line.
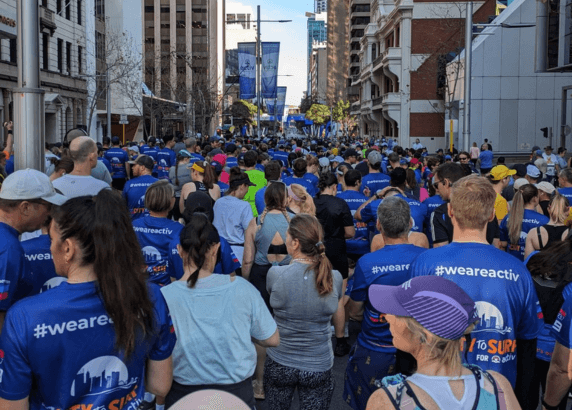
[(79, 59), (59, 7), (13, 51), (45, 48), (60, 55), (99, 9), (165, 10), (68, 57), (68, 9), (79, 12), (149, 9), (45, 3)]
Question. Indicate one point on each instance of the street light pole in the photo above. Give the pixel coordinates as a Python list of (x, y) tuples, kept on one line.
[(108, 105), (468, 58), (258, 74), (28, 96)]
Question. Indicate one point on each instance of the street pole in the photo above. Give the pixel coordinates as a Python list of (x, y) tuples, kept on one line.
[(108, 105), (28, 96), (468, 58), (258, 76)]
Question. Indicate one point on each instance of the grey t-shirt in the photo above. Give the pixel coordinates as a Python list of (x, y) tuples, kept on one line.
[(303, 317), (101, 172), (74, 186), (184, 176)]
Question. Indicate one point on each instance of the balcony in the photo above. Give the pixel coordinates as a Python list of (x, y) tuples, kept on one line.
[(366, 106), (360, 14), (377, 103), (365, 71), (355, 79), (377, 63), (391, 106), (355, 108), (47, 20), (391, 60)]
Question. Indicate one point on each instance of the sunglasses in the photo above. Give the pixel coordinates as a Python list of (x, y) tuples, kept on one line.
[(436, 184), (463, 158)]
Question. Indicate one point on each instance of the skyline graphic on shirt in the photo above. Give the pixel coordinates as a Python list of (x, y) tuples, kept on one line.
[(104, 374), (491, 319)]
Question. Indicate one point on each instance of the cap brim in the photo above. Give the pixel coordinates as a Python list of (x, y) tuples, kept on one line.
[(55, 199), (384, 299), (251, 184), (511, 172)]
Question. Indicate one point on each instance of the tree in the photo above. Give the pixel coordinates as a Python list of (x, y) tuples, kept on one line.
[(341, 114), (306, 104), (318, 113), (244, 110), (116, 62)]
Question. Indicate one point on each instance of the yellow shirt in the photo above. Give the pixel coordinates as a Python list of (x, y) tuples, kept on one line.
[(501, 207)]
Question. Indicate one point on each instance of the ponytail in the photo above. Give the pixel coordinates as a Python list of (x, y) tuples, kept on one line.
[(309, 233), (196, 238), (522, 197), (102, 227)]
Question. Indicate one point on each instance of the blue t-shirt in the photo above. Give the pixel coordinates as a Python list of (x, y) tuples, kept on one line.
[(301, 181), (229, 262), (545, 342), (486, 158), (166, 158), (155, 236), (153, 153), (281, 156), (562, 330), (231, 162), (9, 165), (530, 220), (418, 212), (43, 275), (359, 244), (59, 349), (339, 189), (259, 200), (223, 187), (117, 158), (374, 181), (312, 179), (503, 291), (134, 193), (389, 266), (431, 203), (13, 267), (106, 163), (567, 192)]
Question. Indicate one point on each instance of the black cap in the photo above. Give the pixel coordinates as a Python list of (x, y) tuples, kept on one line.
[(144, 160), (230, 148), (216, 151), (152, 140), (241, 181), (115, 140), (198, 201), (520, 170)]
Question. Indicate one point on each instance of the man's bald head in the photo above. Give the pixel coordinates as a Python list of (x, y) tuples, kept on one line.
[(81, 148)]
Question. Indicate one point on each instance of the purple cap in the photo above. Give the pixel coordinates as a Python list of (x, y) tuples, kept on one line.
[(438, 304)]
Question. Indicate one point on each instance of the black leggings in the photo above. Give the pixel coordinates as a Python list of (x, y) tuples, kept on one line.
[(242, 390), (315, 389)]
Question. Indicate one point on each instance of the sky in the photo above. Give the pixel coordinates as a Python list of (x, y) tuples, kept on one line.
[(292, 37)]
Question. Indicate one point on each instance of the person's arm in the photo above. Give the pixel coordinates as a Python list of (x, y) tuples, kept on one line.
[(187, 189), (559, 378), (159, 376), (272, 341), (14, 404), (349, 231), (355, 310), (357, 214), (9, 137), (525, 360), (438, 229), (379, 401), (509, 397), (529, 246), (249, 249)]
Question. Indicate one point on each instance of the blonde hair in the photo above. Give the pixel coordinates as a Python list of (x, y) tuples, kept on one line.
[(472, 202), (305, 202), (445, 351), (558, 208)]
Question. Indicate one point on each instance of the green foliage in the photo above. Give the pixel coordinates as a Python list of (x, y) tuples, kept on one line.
[(251, 107), (318, 113), (341, 110)]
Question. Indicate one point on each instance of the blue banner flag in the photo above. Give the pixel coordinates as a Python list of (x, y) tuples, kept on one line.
[(270, 106), (269, 73), (280, 100), (247, 70)]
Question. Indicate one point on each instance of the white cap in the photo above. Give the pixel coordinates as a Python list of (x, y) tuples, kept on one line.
[(546, 187), (30, 184), (520, 182)]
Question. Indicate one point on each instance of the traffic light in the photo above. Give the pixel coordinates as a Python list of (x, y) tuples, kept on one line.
[(544, 132)]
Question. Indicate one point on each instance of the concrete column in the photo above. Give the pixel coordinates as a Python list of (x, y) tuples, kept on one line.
[(405, 80), (74, 113)]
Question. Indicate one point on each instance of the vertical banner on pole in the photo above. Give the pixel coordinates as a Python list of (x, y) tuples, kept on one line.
[(270, 106), (247, 70), (281, 101), (270, 54)]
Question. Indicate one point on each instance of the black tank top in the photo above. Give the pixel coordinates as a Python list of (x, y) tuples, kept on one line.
[(554, 234)]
